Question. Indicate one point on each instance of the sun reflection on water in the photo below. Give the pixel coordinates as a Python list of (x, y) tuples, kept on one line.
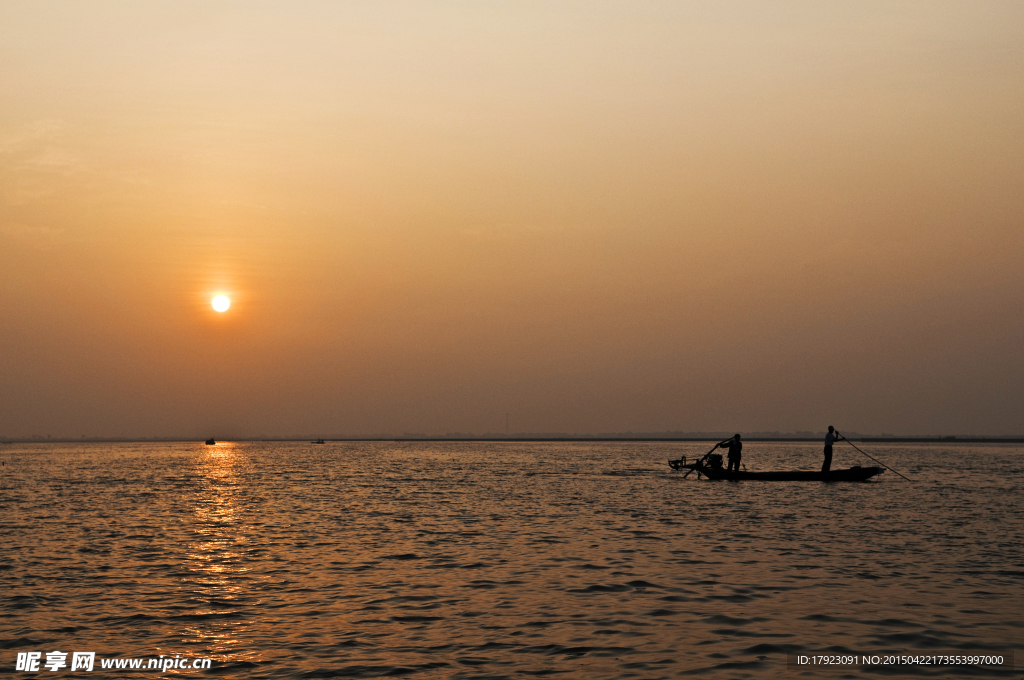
[(218, 583)]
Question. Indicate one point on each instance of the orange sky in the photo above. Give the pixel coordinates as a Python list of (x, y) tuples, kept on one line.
[(592, 216)]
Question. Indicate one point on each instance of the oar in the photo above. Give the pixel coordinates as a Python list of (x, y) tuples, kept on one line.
[(870, 456)]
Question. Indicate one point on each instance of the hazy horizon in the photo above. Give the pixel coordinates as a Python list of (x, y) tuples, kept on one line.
[(520, 436), (582, 217)]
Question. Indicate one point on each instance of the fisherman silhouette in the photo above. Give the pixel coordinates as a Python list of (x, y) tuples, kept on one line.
[(735, 447), (831, 438)]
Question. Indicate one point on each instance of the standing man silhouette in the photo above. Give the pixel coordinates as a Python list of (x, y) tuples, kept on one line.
[(831, 438), (735, 451)]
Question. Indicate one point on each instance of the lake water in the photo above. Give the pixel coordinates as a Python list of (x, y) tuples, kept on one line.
[(507, 560)]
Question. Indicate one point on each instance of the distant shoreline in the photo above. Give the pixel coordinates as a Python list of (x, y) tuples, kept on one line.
[(869, 440)]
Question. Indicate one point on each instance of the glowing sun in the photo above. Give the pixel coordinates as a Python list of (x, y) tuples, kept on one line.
[(221, 303)]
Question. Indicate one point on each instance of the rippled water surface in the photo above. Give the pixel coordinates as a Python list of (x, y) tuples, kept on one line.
[(588, 560)]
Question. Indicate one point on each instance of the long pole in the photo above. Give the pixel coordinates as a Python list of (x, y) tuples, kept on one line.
[(870, 456)]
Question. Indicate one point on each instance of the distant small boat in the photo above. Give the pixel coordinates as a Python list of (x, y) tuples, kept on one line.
[(318, 441), (713, 471), (210, 441)]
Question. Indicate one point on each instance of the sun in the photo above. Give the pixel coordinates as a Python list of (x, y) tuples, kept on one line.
[(221, 303)]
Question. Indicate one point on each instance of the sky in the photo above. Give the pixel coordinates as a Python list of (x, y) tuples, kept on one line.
[(582, 217)]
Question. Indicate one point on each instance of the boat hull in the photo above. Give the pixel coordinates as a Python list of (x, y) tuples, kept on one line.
[(854, 474)]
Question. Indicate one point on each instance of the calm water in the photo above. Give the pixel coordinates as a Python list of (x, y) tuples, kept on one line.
[(442, 560)]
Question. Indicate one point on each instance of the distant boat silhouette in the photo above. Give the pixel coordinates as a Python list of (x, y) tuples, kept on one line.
[(210, 441), (318, 441), (711, 467)]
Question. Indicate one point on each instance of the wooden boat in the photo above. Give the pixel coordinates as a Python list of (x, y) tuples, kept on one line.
[(712, 471)]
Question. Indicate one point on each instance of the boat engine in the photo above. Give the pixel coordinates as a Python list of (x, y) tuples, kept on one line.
[(715, 461)]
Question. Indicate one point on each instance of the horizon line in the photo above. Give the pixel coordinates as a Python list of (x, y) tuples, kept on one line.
[(626, 437)]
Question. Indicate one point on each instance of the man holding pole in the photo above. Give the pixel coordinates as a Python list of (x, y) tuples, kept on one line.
[(735, 447), (831, 438)]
